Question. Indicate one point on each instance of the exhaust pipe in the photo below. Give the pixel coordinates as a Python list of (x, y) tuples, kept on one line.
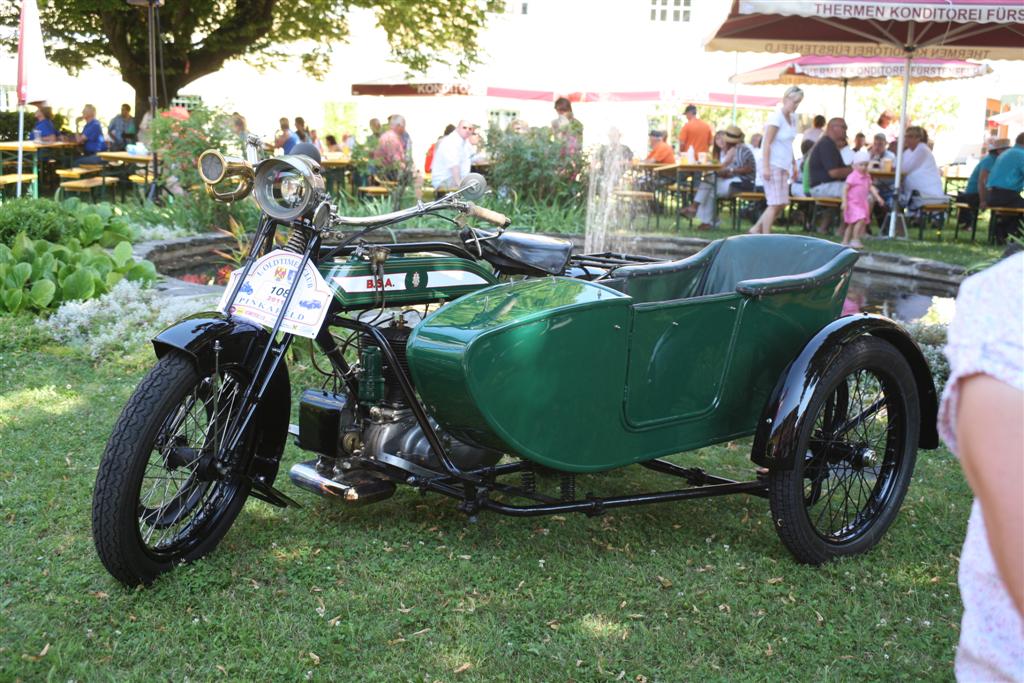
[(353, 488)]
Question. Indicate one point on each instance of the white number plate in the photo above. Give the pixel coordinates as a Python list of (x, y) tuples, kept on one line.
[(263, 293)]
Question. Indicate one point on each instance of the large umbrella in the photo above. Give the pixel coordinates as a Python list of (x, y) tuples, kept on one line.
[(944, 29), (816, 69)]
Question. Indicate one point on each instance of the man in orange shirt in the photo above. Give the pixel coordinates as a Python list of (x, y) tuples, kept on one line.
[(661, 151), (695, 133)]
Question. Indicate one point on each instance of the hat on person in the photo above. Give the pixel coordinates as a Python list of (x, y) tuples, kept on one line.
[(1001, 143), (733, 134), (861, 156), (657, 134)]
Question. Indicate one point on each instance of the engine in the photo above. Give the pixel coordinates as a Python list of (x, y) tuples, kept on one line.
[(378, 420)]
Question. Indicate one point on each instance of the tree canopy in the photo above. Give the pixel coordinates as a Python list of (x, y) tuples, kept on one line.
[(198, 36)]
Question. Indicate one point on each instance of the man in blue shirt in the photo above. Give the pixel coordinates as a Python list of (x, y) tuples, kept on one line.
[(1005, 182), (122, 130), (974, 194), (91, 138), (287, 139)]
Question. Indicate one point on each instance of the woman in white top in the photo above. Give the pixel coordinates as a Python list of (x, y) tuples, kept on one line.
[(920, 172), (777, 162)]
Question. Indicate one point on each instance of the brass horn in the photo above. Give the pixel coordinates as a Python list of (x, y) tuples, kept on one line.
[(215, 168)]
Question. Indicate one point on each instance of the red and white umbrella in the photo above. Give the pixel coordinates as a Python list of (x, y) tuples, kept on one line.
[(820, 69), (911, 29), (31, 68)]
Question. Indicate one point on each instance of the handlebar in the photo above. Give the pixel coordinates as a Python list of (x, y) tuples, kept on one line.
[(492, 217)]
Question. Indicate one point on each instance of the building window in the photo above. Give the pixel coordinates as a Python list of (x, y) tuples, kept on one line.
[(670, 10)]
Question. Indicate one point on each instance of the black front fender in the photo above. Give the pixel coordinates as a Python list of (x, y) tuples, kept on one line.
[(779, 426), (241, 343)]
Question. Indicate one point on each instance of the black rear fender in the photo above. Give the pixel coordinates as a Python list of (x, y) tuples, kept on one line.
[(241, 343), (779, 426)]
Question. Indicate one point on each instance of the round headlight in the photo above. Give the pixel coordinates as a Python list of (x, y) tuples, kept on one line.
[(288, 187)]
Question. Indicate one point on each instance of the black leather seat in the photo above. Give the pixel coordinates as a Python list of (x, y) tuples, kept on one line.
[(523, 253)]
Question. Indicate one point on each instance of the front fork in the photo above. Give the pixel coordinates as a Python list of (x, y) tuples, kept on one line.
[(272, 356)]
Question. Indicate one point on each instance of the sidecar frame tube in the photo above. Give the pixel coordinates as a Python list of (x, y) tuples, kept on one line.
[(596, 506)]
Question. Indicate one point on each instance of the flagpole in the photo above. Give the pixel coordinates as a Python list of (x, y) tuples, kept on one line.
[(21, 146)]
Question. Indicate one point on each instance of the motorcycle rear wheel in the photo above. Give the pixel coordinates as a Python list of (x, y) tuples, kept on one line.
[(158, 502)]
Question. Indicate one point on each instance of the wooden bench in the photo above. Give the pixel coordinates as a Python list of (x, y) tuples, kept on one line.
[(939, 210), (736, 204), (373, 191), (998, 214), (76, 173), (828, 204), (958, 212), (805, 205), (635, 198), (89, 185), (11, 179)]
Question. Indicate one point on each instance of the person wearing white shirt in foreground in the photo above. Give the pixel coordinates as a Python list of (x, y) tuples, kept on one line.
[(452, 158)]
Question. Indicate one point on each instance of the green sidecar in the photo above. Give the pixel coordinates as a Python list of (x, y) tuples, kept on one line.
[(742, 339)]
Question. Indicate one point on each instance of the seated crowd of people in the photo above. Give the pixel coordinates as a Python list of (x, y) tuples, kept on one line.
[(121, 132), (861, 175)]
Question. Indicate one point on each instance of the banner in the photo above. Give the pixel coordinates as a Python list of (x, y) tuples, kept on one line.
[(949, 11)]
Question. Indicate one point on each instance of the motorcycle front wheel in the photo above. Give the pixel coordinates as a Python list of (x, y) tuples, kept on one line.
[(159, 500)]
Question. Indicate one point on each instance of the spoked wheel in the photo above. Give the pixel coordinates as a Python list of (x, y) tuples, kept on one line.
[(159, 499), (855, 455)]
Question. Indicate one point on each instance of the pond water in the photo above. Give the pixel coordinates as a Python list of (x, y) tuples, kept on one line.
[(904, 299)]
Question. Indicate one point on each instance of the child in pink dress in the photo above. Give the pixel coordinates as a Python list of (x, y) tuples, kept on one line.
[(856, 210)]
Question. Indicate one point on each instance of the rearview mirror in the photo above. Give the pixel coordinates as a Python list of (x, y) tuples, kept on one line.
[(473, 187)]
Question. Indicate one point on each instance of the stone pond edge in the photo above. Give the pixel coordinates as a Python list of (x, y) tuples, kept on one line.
[(665, 246)]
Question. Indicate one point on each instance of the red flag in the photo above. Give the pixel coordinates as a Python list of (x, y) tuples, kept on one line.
[(31, 58)]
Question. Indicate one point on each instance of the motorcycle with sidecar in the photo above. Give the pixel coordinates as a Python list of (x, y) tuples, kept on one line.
[(476, 370)]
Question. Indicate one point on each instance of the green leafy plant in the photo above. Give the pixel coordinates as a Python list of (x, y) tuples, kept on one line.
[(181, 142), (536, 168), (103, 224), (39, 275)]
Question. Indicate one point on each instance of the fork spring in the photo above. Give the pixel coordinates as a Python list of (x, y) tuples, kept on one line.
[(298, 239)]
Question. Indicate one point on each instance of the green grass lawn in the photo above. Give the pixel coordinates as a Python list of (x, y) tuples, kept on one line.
[(408, 590)]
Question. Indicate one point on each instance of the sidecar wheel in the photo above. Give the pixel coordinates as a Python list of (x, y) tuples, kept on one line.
[(157, 501), (855, 456)]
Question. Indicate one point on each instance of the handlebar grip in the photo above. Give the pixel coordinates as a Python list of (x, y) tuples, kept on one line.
[(493, 217)]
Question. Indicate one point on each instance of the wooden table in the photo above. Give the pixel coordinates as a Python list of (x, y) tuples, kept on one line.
[(879, 174), (10, 147), (125, 175), (126, 157), (335, 168), (33, 147)]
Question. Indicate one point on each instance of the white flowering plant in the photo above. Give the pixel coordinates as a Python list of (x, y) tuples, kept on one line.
[(120, 321), (932, 340)]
